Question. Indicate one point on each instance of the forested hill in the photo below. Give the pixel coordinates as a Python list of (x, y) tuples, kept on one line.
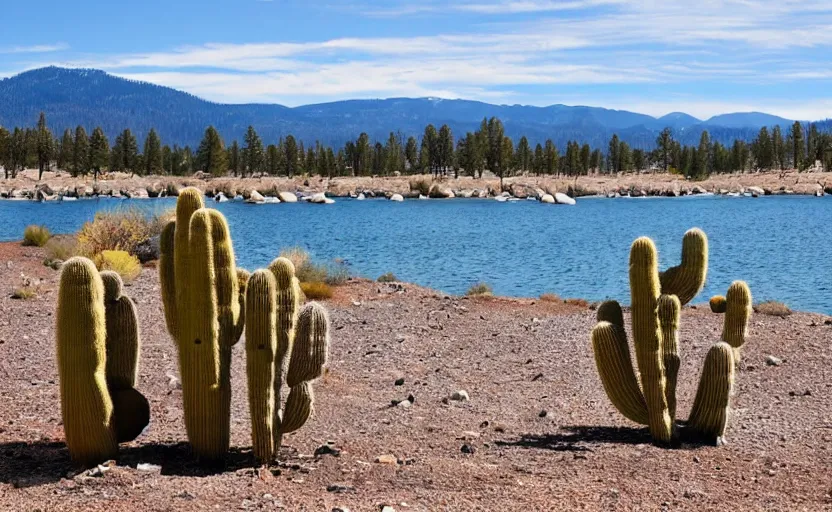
[(72, 97)]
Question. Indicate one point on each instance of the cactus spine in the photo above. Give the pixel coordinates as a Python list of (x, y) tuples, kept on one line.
[(201, 294), (281, 347), (656, 310), (98, 350)]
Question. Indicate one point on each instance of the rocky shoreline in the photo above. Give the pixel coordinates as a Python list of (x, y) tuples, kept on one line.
[(60, 186)]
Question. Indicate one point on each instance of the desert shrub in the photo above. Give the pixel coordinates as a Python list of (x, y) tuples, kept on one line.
[(120, 262), (316, 290), (479, 289), (388, 278), (577, 302), (422, 185), (335, 273), (120, 230), (61, 248), (24, 293), (36, 236), (549, 297), (773, 308)]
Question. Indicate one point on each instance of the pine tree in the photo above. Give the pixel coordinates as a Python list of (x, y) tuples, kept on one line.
[(664, 143), (253, 152), (234, 160), (550, 155), (129, 151), (429, 152), (153, 162), (797, 149), (66, 148), (539, 160), (290, 149), (80, 152), (445, 148), (43, 145), (523, 154), (5, 151), (411, 153), (613, 158), (99, 152), (210, 156), (778, 148), (393, 152), (586, 151), (363, 155)]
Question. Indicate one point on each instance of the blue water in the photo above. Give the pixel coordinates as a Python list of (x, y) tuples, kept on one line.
[(780, 245)]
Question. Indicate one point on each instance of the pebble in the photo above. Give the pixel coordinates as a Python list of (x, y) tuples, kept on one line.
[(326, 449), (543, 414), (148, 468), (338, 488), (387, 508), (340, 509), (460, 396), (386, 459), (467, 448), (773, 361), (400, 381)]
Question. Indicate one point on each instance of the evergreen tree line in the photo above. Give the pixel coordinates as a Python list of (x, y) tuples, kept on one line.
[(438, 153)]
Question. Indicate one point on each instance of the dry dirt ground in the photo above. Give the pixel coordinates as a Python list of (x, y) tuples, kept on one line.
[(538, 432)]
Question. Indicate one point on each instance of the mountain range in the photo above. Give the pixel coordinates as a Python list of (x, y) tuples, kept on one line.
[(87, 97)]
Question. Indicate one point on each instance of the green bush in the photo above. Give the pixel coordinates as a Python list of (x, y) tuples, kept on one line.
[(36, 236), (120, 262), (388, 278), (479, 289)]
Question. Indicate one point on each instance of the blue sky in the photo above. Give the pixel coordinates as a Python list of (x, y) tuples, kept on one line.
[(701, 57)]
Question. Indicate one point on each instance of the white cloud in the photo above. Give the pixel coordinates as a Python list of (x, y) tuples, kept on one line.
[(40, 48)]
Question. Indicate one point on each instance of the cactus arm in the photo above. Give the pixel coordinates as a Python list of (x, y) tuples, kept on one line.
[(261, 347), (243, 276), (669, 310), (299, 408), (687, 279), (644, 290), (203, 327), (81, 331), (225, 276), (189, 201), (311, 348), (610, 311), (737, 313), (718, 304), (167, 278), (612, 358), (288, 302), (709, 415)]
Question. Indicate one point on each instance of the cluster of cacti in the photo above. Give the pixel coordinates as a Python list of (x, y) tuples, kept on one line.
[(98, 354), (204, 315), (281, 346), (656, 301)]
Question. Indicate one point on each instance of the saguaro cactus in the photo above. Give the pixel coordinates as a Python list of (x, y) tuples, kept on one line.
[(98, 350), (281, 346), (201, 295), (655, 317)]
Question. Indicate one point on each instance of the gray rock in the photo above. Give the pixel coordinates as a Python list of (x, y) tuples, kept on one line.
[(773, 361), (460, 396), (148, 250)]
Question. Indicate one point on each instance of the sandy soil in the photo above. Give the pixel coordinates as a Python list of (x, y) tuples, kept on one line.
[(541, 432), (652, 184)]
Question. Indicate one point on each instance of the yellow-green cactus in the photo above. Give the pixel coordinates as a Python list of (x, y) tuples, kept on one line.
[(709, 415), (122, 334), (288, 307), (261, 349), (655, 319), (687, 279), (718, 304), (201, 294), (738, 309), (81, 329)]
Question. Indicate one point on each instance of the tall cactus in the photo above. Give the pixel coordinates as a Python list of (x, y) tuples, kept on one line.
[(98, 350), (201, 295), (655, 318), (281, 347)]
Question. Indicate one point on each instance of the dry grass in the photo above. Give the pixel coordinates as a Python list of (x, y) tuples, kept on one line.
[(316, 290), (479, 289), (335, 273), (120, 230), (550, 297), (422, 185), (773, 308), (576, 302), (24, 293), (297, 255), (61, 248), (36, 236), (121, 262), (388, 278)]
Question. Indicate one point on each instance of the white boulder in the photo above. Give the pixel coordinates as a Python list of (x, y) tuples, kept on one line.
[(561, 198), (287, 197)]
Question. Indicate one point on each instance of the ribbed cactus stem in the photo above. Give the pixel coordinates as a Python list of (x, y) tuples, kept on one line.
[(644, 291), (718, 304), (687, 279), (610, 311), (709, 415), (612, 358), (261, 349), (299, 407), (86, 406), (737, 313), (122, 334), (669, 311), (288, 307), (167, 277)]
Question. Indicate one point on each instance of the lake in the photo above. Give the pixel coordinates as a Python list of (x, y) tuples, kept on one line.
[(780, 245)]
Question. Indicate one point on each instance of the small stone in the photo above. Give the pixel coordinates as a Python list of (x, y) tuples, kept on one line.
[(469, 434), (399, 381), (338, 488), (340, 509), (326, 449), (467, 448), (696, 459), (460, 396), (148, 468), (771, 472), (268, 496), (386, 459), (387, 508), (404, 404), (543, 414), (773, 361)]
